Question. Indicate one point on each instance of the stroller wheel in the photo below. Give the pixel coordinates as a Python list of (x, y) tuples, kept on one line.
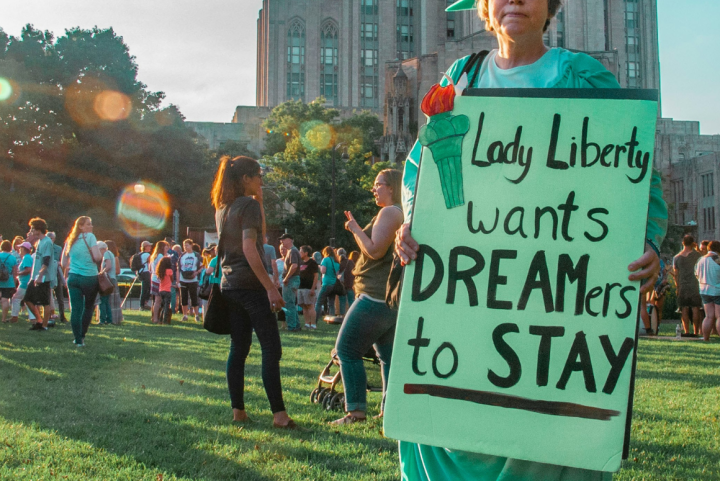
[(314, 395), (322, 395), (328, 399), (336, 403)]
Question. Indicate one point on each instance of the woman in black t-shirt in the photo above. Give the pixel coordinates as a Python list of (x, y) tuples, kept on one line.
[(245, 284)]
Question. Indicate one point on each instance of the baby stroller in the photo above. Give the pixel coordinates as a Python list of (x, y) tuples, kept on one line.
[(325, 393)]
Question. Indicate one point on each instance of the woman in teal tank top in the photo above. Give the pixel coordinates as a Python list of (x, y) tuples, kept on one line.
[(521, 61)]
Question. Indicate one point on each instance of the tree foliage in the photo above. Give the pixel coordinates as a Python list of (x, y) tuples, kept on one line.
[(79, 126), (299, 153)]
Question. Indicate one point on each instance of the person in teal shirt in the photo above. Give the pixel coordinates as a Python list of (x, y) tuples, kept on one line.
[(329, 268), (8, 265), (80, 258), (43, 275), (521, 61), (23, 276)]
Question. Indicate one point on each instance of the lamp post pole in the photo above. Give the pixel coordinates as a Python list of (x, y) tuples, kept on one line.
[(332, 203)]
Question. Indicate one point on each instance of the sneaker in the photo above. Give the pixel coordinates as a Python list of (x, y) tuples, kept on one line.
[(184, 319), (51, 324), (308, 326), (313, 326), (36, 327), (197, 318)]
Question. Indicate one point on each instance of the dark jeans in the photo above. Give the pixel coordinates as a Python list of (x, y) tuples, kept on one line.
[(144, 288), (83, 291), (60, 295), (367, 324), (248, 310), (165, 312)]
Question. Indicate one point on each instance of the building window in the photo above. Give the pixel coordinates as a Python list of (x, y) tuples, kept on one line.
[(709, 219), (708, 185), (368, 7), (632, 44), (368, 87), (405, 25), (369, 31), (560, 29), (369, 57), (296, 61), (679, 191), (450, 21), (329, 62)]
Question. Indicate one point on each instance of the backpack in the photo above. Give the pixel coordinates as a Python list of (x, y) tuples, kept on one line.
[(136, 263), (4, 272)]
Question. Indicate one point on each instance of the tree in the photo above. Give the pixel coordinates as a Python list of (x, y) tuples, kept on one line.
[(301, 143), (80, 126)]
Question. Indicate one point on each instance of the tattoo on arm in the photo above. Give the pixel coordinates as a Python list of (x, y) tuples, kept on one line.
[(250, 234)]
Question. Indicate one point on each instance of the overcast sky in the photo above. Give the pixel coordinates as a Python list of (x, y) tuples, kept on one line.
[(202, 54)]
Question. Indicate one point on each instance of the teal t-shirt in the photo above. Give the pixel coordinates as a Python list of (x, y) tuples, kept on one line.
[(27, 261), (214, 278), (331, 271), (81, 262), (9, 261), (44, 248), (111, 257)]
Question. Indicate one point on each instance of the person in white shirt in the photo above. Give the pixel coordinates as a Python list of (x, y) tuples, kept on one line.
[(190, 266), (707, 272)]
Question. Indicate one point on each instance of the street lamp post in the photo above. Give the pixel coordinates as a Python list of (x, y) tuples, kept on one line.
[(332, 205), (139, 188)]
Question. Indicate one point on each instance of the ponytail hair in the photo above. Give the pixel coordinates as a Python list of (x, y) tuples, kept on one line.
[(228, 184)]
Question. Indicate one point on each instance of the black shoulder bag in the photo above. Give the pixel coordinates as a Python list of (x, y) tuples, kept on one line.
[(394, 282), (217, 318)]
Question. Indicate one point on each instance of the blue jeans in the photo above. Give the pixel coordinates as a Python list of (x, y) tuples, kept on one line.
[(83, 291), (367, 324), (289, 294), (322, 296), (345, 302), (105, 310)]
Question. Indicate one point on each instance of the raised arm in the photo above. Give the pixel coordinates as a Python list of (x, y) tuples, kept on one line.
[(383, 233)]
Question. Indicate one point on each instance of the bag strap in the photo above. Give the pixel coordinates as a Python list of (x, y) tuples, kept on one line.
[(92, 258), (474, 62), (220, 252)]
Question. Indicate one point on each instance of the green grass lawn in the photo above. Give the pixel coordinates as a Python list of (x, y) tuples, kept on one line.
[(150, 402)]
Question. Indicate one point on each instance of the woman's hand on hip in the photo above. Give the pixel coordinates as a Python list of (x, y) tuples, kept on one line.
[(276, 300), (405, 245), (649, 265)]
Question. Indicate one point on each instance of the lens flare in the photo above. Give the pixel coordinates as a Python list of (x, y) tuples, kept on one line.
[(143, 209), (6, 89), (111, 105), (316, 135)]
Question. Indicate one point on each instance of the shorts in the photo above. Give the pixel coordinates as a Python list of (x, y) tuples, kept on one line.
[(710, 299), (306, 297), (189, 289), (7, 292), (154, 288), (38, 294)]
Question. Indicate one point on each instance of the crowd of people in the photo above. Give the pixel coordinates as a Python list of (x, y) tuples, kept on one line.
[(696, 271)]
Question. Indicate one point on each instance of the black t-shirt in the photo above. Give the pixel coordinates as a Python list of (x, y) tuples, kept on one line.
[(307, 273), (244, 213)]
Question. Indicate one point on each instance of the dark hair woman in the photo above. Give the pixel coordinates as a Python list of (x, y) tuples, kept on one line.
[(521, 61), (159, 251), (80, 258), (245, 285), (369, 321), (328, 267), (163, 271)]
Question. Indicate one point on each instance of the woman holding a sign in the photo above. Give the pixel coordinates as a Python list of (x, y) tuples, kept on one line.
[(521, 61), (369, 321)]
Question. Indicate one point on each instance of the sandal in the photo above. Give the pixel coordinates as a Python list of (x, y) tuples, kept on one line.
[(291, 425), (348, 419)]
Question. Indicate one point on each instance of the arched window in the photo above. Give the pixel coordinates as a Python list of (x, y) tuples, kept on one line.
[(296, 60), (329, 62)]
